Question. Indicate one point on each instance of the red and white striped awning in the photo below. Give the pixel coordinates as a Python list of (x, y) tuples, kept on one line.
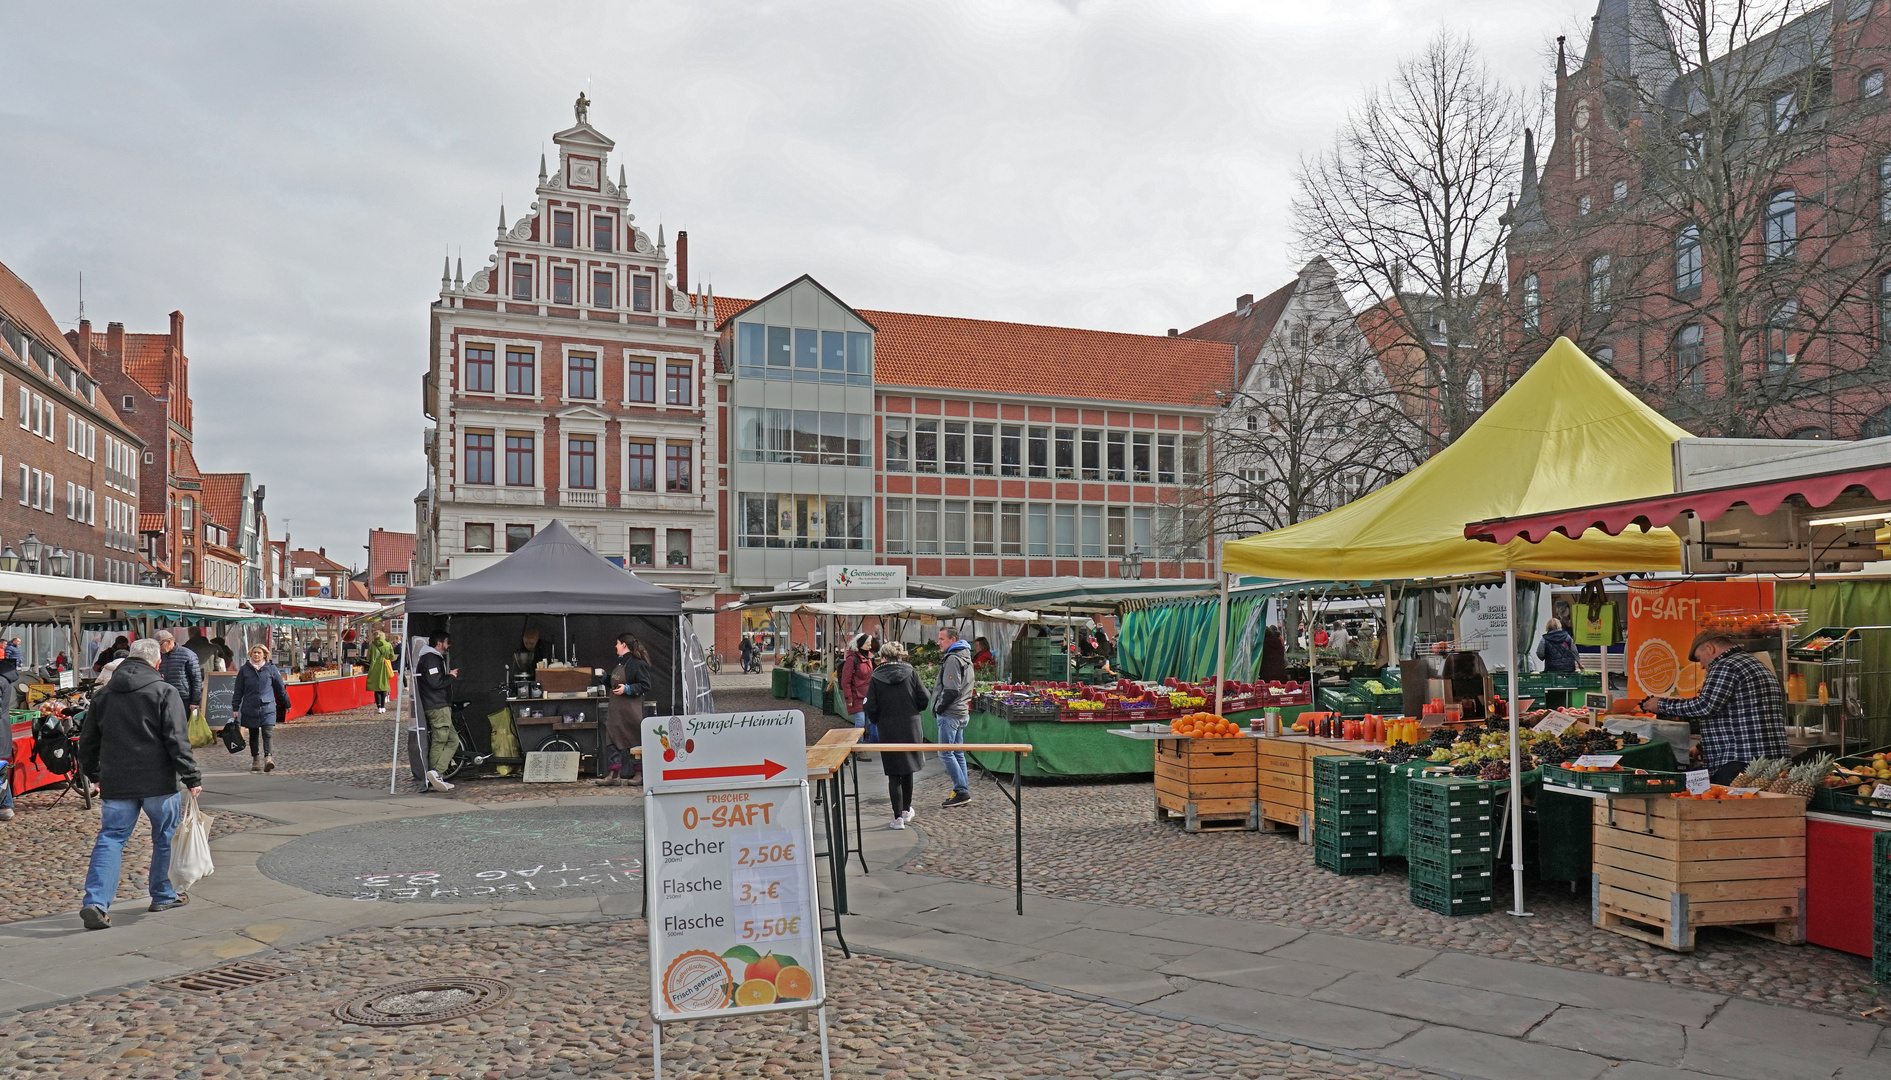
[(1816, 490)]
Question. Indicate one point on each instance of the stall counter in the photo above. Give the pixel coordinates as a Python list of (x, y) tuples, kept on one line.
[(1839, 888)]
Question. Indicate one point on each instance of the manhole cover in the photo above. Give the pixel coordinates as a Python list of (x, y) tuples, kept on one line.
[(423, 1001), (224, 978)]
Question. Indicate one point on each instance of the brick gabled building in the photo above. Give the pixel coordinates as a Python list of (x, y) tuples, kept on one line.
[(567, 379), (69, 476), (314, 574), (1614, 245), (390, 562)]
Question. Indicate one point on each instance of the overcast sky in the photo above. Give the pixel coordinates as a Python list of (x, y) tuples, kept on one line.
[(290, 176)]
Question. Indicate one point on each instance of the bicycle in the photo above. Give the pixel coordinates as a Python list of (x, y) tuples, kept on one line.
[(75, 778), (463, 752), (713, 660)]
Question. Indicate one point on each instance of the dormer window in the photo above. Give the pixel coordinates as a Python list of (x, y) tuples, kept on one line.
[(562, 226), (602, 233)]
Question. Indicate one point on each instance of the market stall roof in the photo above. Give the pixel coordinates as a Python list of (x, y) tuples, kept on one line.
[(316, 605), (1763, 497), (795, 593), (1077, 593), (889, 606), (1565, 432), (554, 573), (43, 598)]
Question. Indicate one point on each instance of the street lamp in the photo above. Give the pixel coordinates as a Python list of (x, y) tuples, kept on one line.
[(9, 561), (30, 550), (59, 562), (1131, 567)]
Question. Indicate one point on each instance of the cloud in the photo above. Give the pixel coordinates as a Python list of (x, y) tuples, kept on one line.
[(290, 176)]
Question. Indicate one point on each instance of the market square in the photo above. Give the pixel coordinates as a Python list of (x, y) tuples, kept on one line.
[(853, 607)]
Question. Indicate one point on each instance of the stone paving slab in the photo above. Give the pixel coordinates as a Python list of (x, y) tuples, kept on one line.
[(1439, 1003), (961, 949), (1793, 1028), (1600, 1031), (1476, 1053), (1289, 1017), (1355, 954), (1086, 975), (1145, 952), (1567, 987), (1220, 933), (1255, 971)]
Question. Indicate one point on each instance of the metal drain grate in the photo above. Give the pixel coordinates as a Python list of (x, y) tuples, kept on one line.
[(224, 978), (423, 1001)]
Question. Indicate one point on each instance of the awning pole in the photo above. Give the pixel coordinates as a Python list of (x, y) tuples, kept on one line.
[(1221, 635), (1516, 755)]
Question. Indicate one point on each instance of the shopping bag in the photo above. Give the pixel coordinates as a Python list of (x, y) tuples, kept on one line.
[(190, 846), (200, 733), (232, 736)]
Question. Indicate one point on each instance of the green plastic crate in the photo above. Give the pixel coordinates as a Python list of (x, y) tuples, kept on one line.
[(1432, 898), (1340, 861), (1455, 858), (1456, 880), (1339, 767)]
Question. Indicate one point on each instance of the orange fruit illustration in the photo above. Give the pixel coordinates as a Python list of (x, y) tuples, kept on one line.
[(794, 983), (766, 969), (755, 992)]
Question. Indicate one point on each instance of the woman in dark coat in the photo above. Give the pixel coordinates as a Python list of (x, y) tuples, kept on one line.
[(259, 699), (1273, 656), (623, 724), (895, 698)]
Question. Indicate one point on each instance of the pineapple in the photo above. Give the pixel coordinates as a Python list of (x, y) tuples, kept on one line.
[(1804, 779), (1759, 773)]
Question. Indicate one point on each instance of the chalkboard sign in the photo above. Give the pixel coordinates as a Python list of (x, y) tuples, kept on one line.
[(219, 692)]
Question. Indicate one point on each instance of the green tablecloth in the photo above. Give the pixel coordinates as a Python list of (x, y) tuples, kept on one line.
[(1079, 748), (781, 682)]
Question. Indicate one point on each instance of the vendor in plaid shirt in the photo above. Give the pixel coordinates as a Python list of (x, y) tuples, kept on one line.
[(1741, 707)]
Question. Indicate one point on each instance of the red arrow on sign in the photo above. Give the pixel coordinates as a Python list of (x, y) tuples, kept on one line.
[(766, 770)]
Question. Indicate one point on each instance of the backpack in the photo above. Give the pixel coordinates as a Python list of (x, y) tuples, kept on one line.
[(52, 746)]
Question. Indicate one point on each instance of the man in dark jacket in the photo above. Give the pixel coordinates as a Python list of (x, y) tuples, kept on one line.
[(135, 743), (200, 645), (181, 668), (433, 683)]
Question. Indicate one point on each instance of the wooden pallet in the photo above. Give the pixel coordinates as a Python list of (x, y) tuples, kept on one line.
[(1667, 867), (1208, 783)]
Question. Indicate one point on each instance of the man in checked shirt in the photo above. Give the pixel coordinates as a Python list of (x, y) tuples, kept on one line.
[(1741, 707)]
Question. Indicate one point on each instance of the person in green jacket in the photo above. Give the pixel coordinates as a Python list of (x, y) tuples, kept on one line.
[(380, 669)]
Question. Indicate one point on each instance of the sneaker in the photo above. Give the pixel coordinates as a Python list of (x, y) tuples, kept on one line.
[(381, 710), (256, 764), (907, 815), (6, 813), (611, 780), (166, 905), (269, 764), (898, 823), (959, 798), (434, 783), (94, 918)]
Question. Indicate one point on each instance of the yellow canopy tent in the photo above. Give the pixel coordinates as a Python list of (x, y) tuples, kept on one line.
[(1565, 435)]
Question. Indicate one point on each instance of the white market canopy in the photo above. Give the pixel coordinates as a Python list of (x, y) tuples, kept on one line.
[(44, 598), (1062, 594), (889, 606)]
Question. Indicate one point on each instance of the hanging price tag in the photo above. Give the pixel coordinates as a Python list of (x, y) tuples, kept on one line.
[(1697, 782), (1599, 761), (1555, 723), (1882, 791)]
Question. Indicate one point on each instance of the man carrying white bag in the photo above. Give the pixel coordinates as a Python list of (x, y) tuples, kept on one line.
[(135, 742)]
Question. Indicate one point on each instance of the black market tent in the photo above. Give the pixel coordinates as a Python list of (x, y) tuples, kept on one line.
[(577, 601), (554, 573)]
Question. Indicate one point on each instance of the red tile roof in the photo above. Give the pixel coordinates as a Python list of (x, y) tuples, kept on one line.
[(388, 551), (147, 360), (21, 305), (223, 497), (1248, 329), (150, 523), (358, 591), (302, 558), (983, 356)]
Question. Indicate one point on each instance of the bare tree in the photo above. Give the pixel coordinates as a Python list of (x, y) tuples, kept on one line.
[(1407, 205), (1720, 213)]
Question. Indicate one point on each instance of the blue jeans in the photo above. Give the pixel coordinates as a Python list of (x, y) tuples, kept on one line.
[(952, 730), (116, 819), (873, 729)]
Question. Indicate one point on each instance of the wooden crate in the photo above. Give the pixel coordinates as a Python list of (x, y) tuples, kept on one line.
[(1667, 867), (1208, 783), (1284, 775)]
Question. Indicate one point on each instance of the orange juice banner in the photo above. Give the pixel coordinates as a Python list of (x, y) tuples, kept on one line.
[(1662, 621)]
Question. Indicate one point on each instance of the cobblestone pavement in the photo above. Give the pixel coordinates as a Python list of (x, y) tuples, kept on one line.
[(1098, 842), (45, 849), (578, 1010)]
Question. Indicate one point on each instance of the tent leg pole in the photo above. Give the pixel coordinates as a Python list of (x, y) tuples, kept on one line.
[(1221, 638), (1516, 755)]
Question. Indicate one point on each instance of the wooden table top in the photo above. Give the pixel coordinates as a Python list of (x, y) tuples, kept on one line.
[(923, 747), (825, 761), (842, 736)]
